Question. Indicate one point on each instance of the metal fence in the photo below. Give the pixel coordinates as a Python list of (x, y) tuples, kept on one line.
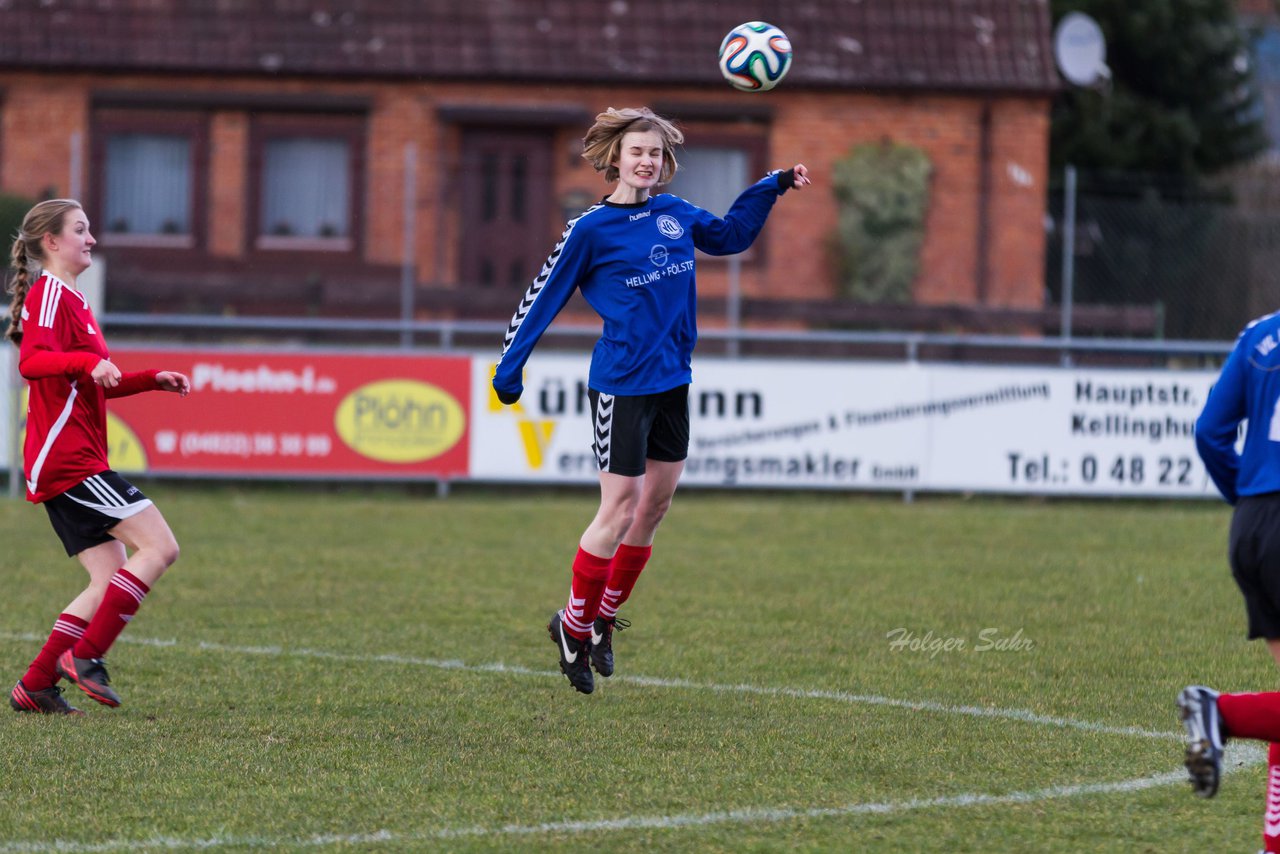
[(1205, 261), (482, 336)]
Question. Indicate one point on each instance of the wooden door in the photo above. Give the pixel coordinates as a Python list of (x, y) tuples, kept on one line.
[(506, 205)]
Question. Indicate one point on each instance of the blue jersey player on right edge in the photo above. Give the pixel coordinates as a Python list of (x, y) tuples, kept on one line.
[(1247, 390), (632, 257)]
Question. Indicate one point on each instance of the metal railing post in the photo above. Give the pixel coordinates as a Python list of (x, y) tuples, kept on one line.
[(733, 306), (407, 266), (1068, 261)]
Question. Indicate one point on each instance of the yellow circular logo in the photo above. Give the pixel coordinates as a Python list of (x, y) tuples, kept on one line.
[(400, 421), (124, 450)]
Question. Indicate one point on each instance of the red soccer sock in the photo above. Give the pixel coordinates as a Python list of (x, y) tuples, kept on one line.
[(628, 563), (1254, 716), (589, 576), (67, 629), (124, 594), (1271, 818)]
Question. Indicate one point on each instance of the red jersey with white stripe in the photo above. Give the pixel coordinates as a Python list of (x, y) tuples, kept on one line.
[(66, 410)]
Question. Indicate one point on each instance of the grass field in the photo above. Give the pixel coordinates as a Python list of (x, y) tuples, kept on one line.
[(370, 671)]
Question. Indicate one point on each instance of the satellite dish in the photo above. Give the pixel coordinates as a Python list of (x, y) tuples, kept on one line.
[(1080, 50)]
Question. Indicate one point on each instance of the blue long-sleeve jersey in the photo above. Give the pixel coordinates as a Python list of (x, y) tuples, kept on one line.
[(1248, 388), (634, 265)]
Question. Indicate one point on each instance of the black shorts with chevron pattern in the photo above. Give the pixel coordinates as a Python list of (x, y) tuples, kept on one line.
[(632, 429)]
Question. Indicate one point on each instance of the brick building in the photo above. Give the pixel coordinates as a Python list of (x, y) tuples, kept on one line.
[(293, 156)]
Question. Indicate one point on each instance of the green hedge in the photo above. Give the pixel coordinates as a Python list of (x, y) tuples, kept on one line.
[(882, 192)]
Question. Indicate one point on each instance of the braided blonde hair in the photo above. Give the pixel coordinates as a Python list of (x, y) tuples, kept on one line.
[(26, 256)]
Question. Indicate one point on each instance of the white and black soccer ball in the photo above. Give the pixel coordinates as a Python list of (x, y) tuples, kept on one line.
[(755, 56)]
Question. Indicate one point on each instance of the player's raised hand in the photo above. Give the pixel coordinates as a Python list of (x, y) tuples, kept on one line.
[(802, 176), (106, 374), (174, 381)]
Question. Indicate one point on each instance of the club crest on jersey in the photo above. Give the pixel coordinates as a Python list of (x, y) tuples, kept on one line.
[(658, 255), (670, 227)]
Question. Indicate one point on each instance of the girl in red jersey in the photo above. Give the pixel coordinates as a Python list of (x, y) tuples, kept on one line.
[(96, 513)]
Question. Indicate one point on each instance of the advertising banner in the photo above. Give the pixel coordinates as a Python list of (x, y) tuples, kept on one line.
[(902, 427), (304, 414), (1078, 431)]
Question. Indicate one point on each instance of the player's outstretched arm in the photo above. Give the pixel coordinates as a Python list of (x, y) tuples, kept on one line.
[(136, 382)]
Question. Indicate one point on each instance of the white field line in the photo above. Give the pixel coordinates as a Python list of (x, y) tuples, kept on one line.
[(1021, 715), (1237, 757)]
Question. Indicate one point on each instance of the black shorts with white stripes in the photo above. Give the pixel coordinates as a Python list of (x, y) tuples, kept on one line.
[(84, 515), (632, 429)]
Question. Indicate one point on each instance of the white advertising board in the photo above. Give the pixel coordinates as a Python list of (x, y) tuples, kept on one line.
[(1077, 431), (877, 426)]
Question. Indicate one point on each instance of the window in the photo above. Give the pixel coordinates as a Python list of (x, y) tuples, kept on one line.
[(711, 177), (716, 169), (306, 190), (147, 175), (305, 183), (148, 185)]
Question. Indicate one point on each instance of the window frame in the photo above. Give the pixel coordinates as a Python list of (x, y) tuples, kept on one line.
[(194, 125), (266, 128), (755, 144)]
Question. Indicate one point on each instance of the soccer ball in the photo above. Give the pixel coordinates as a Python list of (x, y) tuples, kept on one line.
[(755, 56)]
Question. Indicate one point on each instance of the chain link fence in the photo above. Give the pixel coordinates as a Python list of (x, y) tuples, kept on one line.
[(1206, 261)]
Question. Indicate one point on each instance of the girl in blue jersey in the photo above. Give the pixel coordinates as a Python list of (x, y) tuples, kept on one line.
[(632, 257), (1248, 389)]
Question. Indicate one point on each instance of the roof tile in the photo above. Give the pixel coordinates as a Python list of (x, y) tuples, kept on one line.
[(934, 44)]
